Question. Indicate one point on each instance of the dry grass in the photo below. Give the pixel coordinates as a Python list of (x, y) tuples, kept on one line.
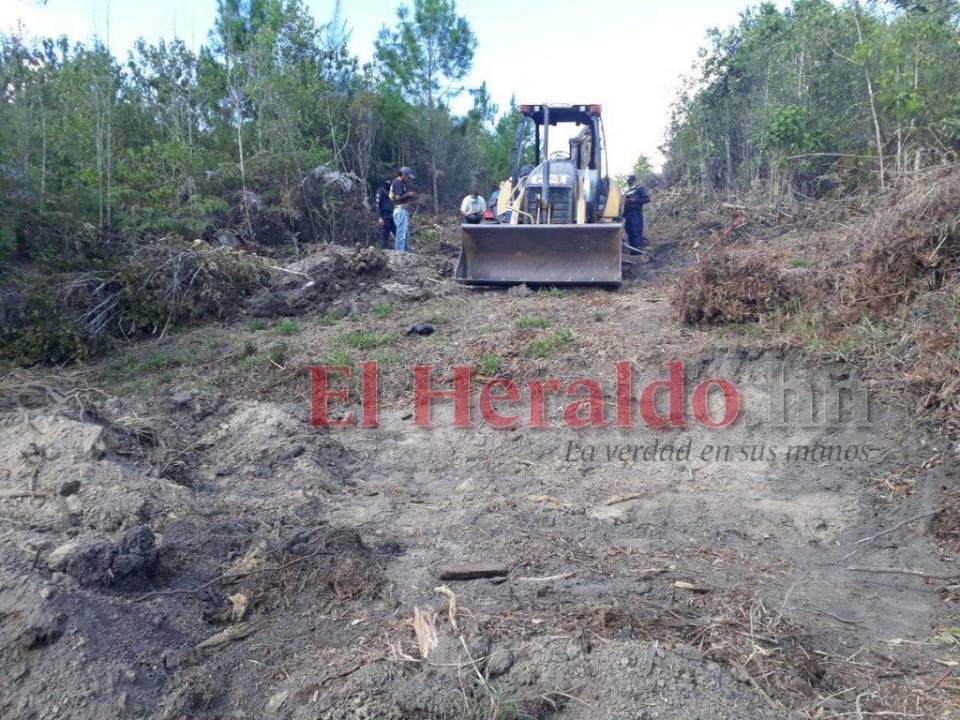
[(911, 245), (723, 289), (882, 291), (946, 523)]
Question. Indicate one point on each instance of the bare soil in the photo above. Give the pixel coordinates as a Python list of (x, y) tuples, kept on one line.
[(179, 542)]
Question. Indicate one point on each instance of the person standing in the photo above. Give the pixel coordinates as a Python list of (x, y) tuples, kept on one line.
[(401, 194), (634, 199), (385, 214), (473, 207)]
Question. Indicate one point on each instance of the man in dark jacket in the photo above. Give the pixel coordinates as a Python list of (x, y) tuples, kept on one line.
[(385, 214), (634, 199)]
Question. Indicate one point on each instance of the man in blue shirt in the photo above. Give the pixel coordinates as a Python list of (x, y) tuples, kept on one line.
[(401, 194)]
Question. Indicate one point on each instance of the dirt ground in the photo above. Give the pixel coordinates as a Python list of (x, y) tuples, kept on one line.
[(179, 542)]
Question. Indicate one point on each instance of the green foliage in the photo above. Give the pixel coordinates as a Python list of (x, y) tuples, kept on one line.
[(48, 335), (531, 321), (428, 50), (337, 357), (791, 101), (427, 53), (643, 169), (286, 326), (383, 309), (490, 365), (364, 340), (787, 126), (8, 242), (329, 319), (546, 346), (256, 325)]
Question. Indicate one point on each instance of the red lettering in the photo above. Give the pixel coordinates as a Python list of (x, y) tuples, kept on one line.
[(423, 394), (538, 402), (624, 390), (487, 398), (321, 393), (648, 400), (701, 403), (594, 400), (370, 396)]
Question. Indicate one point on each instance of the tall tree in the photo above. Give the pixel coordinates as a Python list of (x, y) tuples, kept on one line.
[(427, 55)]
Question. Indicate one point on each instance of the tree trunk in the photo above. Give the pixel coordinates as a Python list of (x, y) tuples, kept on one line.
[(873, 105)]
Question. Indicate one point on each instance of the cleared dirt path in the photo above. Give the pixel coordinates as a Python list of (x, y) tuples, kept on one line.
[(285, 563)]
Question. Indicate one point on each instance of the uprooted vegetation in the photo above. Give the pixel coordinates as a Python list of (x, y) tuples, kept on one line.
[(723, 289), (71, 316), (880, 288), (909, 246)]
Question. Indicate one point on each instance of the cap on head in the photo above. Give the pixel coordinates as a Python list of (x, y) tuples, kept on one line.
[(631, 178), (408, 172)]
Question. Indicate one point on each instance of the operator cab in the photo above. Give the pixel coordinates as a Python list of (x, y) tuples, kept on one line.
[(564, 186)]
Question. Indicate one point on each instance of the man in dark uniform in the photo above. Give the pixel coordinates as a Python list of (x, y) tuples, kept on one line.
[(385, 214), (634, 199)]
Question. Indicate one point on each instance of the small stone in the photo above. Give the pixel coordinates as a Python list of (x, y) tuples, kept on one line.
[(499, 662), (171, 659), (70, 487), (184, 397), (277, 700), (520, 291), (39, 629), (46, 592), (100, 562)]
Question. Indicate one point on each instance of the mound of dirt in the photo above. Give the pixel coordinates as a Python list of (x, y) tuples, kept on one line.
[(336, 277), (577, 678), (131, 593)]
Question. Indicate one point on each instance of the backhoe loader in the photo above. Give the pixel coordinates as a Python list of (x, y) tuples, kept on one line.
[(557, 220)]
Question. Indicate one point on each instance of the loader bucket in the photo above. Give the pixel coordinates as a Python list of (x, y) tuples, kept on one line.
[(494, 254)]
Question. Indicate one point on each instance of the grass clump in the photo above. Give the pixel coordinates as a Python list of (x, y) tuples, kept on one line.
[(329, 319), (490, 365), (383, 309), (286, 326), (337, 357), (531, 321), (256, 325), (546, 346), (364, 340)]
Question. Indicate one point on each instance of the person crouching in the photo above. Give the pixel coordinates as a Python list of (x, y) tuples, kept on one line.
[(473, 207)]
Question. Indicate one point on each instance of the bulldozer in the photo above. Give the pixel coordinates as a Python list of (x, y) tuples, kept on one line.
[(557, 220)]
